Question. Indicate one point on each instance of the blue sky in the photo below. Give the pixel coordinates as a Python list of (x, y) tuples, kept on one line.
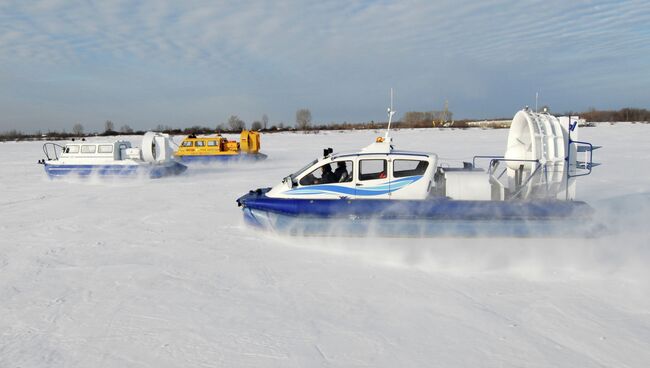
[(181, 63)]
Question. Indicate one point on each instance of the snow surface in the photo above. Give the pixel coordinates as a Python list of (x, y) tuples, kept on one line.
[(164, 273)]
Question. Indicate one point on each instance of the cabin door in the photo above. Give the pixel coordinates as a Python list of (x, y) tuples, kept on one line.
[(373, 181)]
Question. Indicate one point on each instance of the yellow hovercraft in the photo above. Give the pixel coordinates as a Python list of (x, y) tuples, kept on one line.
[(217, 148)]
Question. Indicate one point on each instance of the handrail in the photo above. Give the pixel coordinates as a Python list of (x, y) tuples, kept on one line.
[(530, 177), (494, 164), (502, 172), (497, 159), (588, 165), (480, 156)]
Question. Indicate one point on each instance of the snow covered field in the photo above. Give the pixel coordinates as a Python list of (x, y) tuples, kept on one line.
[(163, 273)]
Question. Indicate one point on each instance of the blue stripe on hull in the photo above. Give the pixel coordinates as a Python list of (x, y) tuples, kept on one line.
[(222, 158), (388, 187), (154, 171)]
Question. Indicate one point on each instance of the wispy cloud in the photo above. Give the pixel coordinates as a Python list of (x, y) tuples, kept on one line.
[(162, 60)]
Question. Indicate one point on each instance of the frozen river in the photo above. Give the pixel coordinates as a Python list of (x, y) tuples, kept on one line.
[(164, 273)]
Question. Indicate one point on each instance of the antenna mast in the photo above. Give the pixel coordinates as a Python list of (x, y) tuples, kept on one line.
[(391, 112)]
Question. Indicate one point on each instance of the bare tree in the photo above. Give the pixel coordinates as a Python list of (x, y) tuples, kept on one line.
[(109, 126), (265, 120), (303, 119), (236, 124), (420, 119), (77, 129), (163, 128), (256, 125), (413, 117), (126, 129)]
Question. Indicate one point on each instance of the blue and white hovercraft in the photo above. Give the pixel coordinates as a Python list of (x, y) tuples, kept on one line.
[(112, 158), (382, 191)]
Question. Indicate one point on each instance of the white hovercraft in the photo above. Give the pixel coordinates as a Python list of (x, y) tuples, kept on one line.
[(382, 191), (112, 158)]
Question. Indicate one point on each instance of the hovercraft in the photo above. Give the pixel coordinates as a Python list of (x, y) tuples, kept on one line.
[(217, 148), (383, 191), (112, 158)]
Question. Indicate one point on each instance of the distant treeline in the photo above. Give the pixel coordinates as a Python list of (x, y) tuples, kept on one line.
[(626, 114), (411, 119), (15, 135), (318, 127)]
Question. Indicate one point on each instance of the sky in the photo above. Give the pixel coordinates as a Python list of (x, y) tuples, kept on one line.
[(184, 63)]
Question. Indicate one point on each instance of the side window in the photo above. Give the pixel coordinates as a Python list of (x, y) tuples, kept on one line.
[(200, 143), (402, 168), (72, 149), (343, 171), (321, 175), (88, 149), (187, 144), (212, 143), (372, 169), (105, 148)]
